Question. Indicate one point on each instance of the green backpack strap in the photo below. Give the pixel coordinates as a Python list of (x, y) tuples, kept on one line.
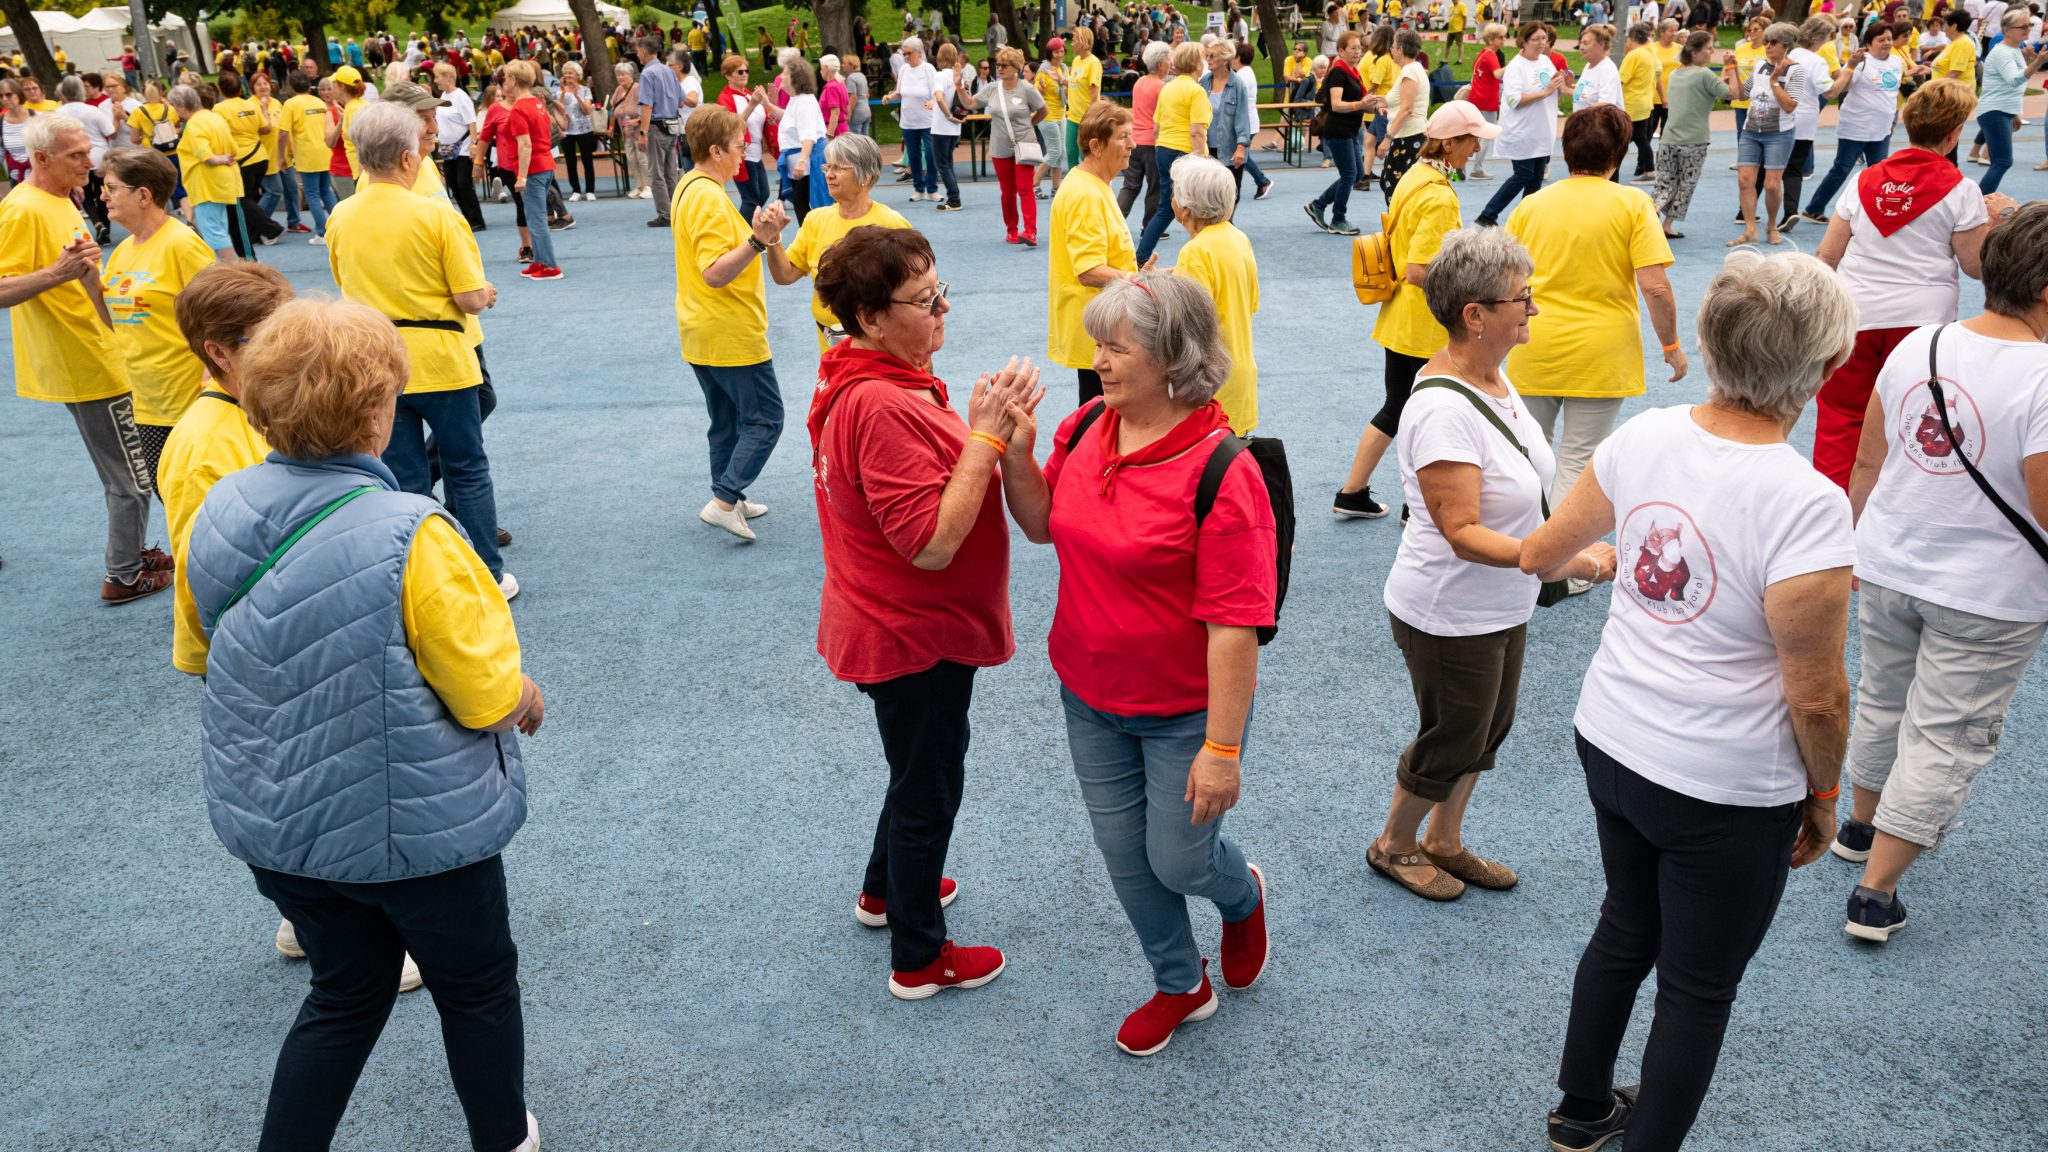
[(1492, 418), (298, 533)]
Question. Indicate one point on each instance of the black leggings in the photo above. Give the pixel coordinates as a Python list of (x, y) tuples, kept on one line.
[(923, 720), (1691, 889), (1646, 161), (457, 927), (1794, 179), (584, 145), (1400, 374), (259, 222)]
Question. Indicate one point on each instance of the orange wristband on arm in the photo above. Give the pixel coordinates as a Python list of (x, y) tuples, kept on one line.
[(1227, 751)]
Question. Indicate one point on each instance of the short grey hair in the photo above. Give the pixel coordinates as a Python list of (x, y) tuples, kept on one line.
[(185, 98), (1642, 32), (1815, 30), (911, 44), (41, 132), (1783, 35), (1155, 54), (1203, 186), (1474, 264), (71, 89), (1771, 329), (1173, 318), (859, 153), (383, 134), (2014, 273), (828, 62), (626, 68)]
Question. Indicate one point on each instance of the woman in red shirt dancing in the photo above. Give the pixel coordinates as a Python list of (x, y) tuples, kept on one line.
[(1155, 636)]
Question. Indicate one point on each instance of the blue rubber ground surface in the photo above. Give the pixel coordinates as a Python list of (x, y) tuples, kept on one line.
[(703, 796)]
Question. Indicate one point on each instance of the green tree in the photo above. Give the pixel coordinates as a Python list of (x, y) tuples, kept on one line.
[(597, 58)]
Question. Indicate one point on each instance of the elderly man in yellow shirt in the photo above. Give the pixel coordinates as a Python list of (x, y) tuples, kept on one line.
[(722, 312), (413, 258), (64, 350)]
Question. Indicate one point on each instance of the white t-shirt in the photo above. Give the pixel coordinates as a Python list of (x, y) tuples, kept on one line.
[(457, 120), (1909, 277), (1808, 86), (692, 85), (1870, 106), (99, 126), (1528, 129), (757, 120), (1990, 14), (1599, 84), (915, 86), (802, 122), (1927, 531), (942, 97), (1685, 689), (1429, 587), (124, 136)]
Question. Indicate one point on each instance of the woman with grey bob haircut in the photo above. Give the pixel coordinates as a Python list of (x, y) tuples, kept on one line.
[(1474, 467), (1218, 255), (852, 165), (1714, 716), (1157, 647), (383, 135)]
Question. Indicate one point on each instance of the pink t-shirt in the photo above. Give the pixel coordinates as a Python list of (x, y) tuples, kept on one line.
[(1145, 98), (1138, 588), (833, 98)]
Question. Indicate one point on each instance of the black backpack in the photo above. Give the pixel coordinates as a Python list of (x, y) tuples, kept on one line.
[(1271, 455)]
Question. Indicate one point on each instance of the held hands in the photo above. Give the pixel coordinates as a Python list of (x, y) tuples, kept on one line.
[(79, 259), (769, 220), (1213, 786), (1816, 829), (1024, 394), (1998, 204), (1597, 563), (990, 408)]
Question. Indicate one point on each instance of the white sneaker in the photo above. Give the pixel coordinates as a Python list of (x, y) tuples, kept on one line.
[(752, 509), (504, 197), (288, 941), (318, 241), (532, 1141), (409, 976), (509, 585), (730, 519)]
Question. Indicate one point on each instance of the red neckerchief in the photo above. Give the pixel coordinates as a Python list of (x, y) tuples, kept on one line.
[(1185, 435), (846, 365), (1897, 189), (1344, 64)]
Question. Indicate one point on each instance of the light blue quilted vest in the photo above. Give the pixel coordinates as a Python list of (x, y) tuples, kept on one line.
[(326, 753)]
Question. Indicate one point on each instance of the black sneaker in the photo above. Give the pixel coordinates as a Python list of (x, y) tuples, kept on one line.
[(1790, 222), (1587, 1135), (1358, 505), (1343, 228), (1853, 840), (526, 254), (1404, 513), (1315, 213), (1871, 920), (658, 222), (949, 206), (561, 223)]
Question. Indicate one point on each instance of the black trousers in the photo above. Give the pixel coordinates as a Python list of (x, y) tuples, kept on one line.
[(260, 224), (1794, 179), (457, 927), (457, 172), (1139, 174), (1401, 372), (923, 718), (581, 147), (1091, 384), (1646, 161), (1692, 887)]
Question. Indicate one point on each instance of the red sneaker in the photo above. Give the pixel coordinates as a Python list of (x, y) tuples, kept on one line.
[(956, 967), (1013, 238), (1244, 943), (544, 272), (157, 560), (299, 228), (529, 270), (1151, 1028), (873, 911), (148, 582)]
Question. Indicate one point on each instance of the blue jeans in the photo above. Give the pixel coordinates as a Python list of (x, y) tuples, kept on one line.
[(457, 420), (785, 181), (1527, 177), (1996, 129), (1155, 228), (1251, 169), (744, 406), (274, 190), (320, 198), (535, 199), (917, 152), (1847, 153), (1134, 774), (753, 190), (1349, 154), (942, 163)]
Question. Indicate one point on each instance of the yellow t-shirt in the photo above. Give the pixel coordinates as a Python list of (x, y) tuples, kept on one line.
[(1296, 68), (240, 113), (826, 227), (721, 327), (1183, 108), (210, 440), (697, 40), (1087, 231), (62, 352), (1959, 60), (1083, 76), (1052, 83), (1428, 213), (40, 105), (348, 114), (305, 125), (1638, 83), (1587, 236), (206, 134), (268, 142), (427, 182), (1830, 55), (1379, 77), (1667, 64), (143, 121), (458, 626), (1457, 19), (1747, 56), (408, 256), (1219, 258), (141, 282)]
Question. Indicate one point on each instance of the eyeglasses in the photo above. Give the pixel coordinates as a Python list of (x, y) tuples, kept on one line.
[(1527, 300), (111, 186), (931, 305)]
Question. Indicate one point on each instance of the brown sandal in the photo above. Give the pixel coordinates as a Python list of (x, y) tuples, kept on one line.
[(1474, 870), (1442, 887)]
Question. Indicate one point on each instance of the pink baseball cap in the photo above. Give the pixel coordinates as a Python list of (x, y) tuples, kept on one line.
[(1459, 118), (1055, 43)]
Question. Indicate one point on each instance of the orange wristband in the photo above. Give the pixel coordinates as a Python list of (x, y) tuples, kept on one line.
[(990, 439), (1671, 347), (1830, 794), (1227, 751)]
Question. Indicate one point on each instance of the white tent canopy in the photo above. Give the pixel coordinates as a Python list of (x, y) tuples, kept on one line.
[(88, 49), (550, 14)]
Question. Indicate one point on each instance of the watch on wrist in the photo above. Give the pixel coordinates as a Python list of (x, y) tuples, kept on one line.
[(755, 241)]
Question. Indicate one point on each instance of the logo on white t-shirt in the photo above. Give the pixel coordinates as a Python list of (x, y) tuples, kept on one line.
[(1922, 437), (1667, 567)]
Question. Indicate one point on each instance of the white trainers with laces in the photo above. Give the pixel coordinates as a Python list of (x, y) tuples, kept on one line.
[(509, 585), (730, 519), (288, 941), (752, 509)]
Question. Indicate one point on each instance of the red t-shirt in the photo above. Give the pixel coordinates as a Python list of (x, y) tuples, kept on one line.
[(528, 118), (337, 164), (1486, 81), (1137, 589), (884, 459), (492, 134)]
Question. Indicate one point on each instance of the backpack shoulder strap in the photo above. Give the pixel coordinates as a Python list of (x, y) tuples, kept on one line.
[(1213, 472), (1492, 418), (1089, 416), (298, 533), (1934, 392)]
